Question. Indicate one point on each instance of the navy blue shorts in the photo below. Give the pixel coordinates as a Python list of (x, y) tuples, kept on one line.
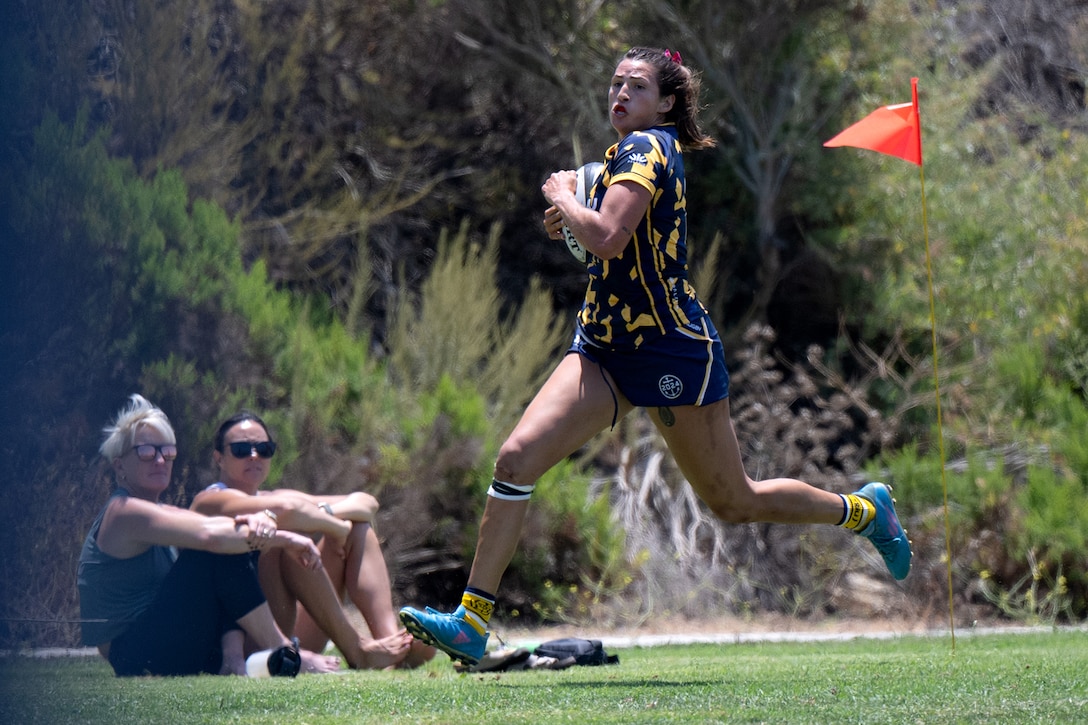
[(685, 367)]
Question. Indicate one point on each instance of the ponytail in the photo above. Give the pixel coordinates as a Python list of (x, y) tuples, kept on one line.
[(678, 80)]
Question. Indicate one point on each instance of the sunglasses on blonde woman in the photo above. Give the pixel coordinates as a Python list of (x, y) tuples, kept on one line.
[(148, 452), (244, 449)]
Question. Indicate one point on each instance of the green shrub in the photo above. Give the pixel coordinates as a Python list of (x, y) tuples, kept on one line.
[(1017, 517), (165, 307)]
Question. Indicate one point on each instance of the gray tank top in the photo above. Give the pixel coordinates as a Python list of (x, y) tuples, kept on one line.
[(114, 592)]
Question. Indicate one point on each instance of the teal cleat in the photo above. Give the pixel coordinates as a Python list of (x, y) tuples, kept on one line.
[(447, 632), (885, 531)]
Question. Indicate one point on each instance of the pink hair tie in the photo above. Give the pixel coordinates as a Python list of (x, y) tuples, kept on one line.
[(674, 56)]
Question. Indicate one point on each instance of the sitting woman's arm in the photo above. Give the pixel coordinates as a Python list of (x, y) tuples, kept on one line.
[(356, 506), (295, 511), (132, 526)]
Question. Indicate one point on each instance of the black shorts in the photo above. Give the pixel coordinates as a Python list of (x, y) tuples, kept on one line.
[(180, 633), (684, 367)]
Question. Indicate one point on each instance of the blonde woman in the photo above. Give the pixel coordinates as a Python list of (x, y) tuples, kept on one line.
[(162, 588)]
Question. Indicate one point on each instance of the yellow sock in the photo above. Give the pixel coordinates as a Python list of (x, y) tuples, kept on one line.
[(857, 512), (477, 607)]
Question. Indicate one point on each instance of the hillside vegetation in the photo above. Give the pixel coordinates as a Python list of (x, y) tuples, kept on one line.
[(329, 212)]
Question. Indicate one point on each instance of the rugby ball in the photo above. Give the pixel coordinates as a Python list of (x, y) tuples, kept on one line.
[(587, 174)]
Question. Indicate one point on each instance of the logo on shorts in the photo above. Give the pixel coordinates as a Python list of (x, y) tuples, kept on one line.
[(670, 386)]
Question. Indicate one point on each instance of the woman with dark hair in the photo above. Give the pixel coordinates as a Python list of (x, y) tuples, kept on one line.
[(642, 339), (310, 602)]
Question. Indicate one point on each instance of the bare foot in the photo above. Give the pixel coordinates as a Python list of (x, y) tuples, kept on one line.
[(315, 664), (387, 652), (419, 653)]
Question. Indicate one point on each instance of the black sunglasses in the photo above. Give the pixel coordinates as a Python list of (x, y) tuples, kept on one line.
[(244, 449), (149, 452)]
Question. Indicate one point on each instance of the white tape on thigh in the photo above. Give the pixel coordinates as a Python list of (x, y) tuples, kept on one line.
[(510, 491)]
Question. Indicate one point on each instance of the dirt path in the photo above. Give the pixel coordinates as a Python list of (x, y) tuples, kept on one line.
[(764, 628), (768, 628)]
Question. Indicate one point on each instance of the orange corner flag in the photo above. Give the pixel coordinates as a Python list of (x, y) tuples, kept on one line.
[(893, 130)]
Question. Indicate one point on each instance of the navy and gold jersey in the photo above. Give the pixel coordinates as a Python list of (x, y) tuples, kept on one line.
[(644, 292)]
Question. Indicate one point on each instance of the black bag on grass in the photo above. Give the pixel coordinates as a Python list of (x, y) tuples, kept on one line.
[(583, 651)]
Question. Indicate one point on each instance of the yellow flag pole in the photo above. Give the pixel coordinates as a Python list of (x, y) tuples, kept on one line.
[(897, 130), (937, 389)]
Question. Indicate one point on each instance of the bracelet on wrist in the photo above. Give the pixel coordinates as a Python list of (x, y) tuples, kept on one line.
[(326, 508)]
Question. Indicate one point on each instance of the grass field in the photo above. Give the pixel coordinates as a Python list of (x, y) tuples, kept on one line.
[(1000, 678)]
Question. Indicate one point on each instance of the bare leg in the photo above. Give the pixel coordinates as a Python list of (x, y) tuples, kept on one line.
[(324, 617), (366, 580), (573, 405), (310, 632), (704, 444), (281, 600)]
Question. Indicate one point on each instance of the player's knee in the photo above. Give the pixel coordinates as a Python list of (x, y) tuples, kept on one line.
[(510, 483), (509, 465)]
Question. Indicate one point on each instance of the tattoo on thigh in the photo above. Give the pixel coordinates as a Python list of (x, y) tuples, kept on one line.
[(667, 416)]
